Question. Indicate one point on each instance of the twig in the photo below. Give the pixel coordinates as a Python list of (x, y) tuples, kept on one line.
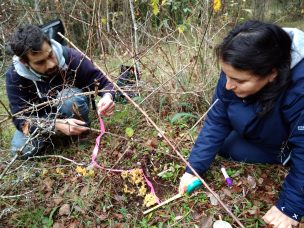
[(166, 139), (8, 112), (15, 196), (49, 102), (177, 196), (57, 156)]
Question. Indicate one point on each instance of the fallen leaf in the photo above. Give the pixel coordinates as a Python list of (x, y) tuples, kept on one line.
[(117, 216), (73, 225), (251, 182), (152, 143), (227, 192), (57, 200), (78, 209), (253, 210), (102, 216), (84, 191), (212, 199), (64, 210), (206, 221), (64, 189), (58, 225), (179, 217), (48, 183), (120, 225), (118, 198)]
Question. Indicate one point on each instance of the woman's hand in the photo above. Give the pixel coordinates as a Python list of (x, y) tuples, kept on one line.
[(186, 179), (71, 126), (278, 219), (106, 105)]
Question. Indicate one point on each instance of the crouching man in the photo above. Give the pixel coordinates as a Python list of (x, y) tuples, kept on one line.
[(43, 84)]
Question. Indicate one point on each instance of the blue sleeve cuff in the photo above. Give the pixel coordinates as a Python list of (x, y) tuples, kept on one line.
[(281, 205)]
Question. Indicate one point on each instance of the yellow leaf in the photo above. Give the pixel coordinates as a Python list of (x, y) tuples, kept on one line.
[(44, 171), (217, 5), (155, 8), (181, 28), (103, 21), (59, 171), (164, 2), (81, 170)]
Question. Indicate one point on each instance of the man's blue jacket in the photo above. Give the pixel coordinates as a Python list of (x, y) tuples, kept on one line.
[(285, 123)]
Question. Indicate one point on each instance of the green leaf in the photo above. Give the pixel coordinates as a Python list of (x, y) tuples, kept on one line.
[(181, 115), (129, 132)]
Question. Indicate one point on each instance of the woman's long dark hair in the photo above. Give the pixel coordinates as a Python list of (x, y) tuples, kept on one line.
[(259, 48)]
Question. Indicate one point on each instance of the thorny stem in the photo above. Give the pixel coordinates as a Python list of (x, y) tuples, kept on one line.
[(165, 138)]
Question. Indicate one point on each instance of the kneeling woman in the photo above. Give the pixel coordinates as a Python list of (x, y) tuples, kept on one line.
[(259, 113)]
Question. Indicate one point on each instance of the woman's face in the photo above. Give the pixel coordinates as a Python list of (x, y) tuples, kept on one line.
[(244, 83)]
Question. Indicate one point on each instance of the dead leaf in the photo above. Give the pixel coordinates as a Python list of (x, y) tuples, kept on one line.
[(152, 143), (64, 210), (117, 216), (253, 210), (251, 182), (48, 183), (102, 216), (118, 198), (260, 181), (206, 221), (179, 217), (57, 200), (58, 225), (73, 225), (212, 199), (78, 209), (227, 192), (48, 194), (84, 191), (120, 225), (64, 189)]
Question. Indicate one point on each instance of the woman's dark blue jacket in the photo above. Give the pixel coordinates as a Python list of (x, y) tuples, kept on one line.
[(284, 123)]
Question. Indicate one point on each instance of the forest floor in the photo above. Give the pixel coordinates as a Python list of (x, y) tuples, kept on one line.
[(54, 192)]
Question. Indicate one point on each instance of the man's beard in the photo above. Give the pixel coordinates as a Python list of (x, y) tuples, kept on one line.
[(52, 72)]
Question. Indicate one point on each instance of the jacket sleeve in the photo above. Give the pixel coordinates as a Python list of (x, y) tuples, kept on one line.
[(215, 130), (291, 201), (87, 75), (20, 96)]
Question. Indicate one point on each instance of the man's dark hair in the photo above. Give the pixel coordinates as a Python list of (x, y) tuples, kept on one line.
[(259, 48), (27, 39)]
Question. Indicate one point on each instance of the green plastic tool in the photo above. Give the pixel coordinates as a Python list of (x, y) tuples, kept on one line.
[(193, 186)]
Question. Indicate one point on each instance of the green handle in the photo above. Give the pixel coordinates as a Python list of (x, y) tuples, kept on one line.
[(193, 186)]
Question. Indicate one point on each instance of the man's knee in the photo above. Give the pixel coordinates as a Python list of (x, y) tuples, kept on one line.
[(24, 146), (73, 106)]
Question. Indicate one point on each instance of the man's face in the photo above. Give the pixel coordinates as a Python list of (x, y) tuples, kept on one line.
[(44, 61)]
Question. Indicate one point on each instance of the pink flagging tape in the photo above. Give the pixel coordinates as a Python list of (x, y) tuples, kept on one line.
[(95, 164), (151, 188)]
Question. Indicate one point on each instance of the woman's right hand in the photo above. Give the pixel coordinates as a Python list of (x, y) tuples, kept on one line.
[(186, 179)]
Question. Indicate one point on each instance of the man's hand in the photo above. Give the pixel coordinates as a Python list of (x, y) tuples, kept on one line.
[(186, 179), (278, 219), (106, 105), (71, 126)]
